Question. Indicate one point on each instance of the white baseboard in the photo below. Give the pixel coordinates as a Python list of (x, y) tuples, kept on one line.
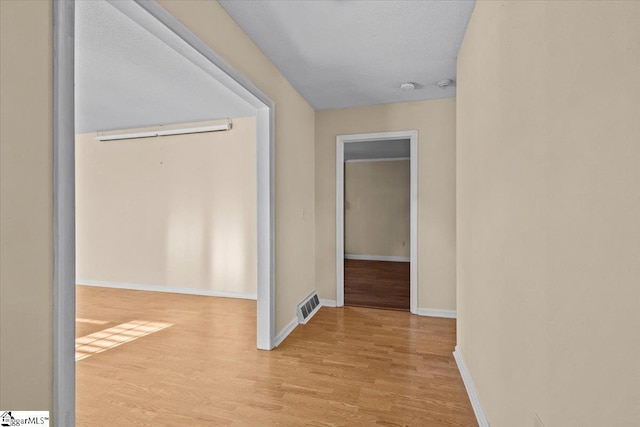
[(284, 333), (377, 258), (434, 312), (328, 302), (471, 390), (381, 159), (160, 288)]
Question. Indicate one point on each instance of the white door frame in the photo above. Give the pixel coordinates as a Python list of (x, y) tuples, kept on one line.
[(64, 189), (341, 140)]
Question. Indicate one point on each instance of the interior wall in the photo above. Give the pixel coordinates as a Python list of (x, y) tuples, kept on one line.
[(377, 208), (548, 211), (294, 148), (27, 183), (176, 212), (26, 205), (435, 122)]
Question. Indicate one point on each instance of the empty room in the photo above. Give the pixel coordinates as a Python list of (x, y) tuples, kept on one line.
[(376, 212), (333, 212), (165, 217)]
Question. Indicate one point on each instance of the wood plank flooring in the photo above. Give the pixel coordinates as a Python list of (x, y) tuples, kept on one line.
[(378, 284), (347, 367)]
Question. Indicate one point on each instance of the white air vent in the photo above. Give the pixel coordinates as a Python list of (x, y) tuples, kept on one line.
[(308, 307)]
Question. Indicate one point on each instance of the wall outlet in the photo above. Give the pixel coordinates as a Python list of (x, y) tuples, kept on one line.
[(537, 422)]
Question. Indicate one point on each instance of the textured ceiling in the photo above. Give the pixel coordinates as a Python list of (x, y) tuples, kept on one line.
[(348, 53), (386, 149), (127, 77)]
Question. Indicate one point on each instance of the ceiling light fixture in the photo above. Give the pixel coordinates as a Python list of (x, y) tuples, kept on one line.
[(408, 86), (168, 132), (444, 83)]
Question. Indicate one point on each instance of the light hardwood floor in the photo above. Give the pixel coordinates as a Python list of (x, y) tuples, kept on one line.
[(348, 367)]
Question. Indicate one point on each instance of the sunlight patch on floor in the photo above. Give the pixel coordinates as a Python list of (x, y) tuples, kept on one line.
[(91, 321), (113, 337)]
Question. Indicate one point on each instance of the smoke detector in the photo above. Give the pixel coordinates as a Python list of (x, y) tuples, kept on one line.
[(444, 83), (408, 86)]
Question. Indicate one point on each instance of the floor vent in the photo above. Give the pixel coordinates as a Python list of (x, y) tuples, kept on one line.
[(308, 308)]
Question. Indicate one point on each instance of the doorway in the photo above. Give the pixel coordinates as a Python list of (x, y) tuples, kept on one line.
[(184, 41), (372, 276)]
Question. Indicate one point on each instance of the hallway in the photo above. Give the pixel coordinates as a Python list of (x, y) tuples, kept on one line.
[(351, 366)]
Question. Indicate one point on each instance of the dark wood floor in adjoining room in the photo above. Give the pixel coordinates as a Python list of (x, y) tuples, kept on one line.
[(347, 367), (377, 284)]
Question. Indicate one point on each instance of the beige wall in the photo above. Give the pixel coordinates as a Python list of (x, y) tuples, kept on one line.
[(176, 211), (26, 205), (549, 211), (435, 122), (377, 208), (294, 130), (27, 196)]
